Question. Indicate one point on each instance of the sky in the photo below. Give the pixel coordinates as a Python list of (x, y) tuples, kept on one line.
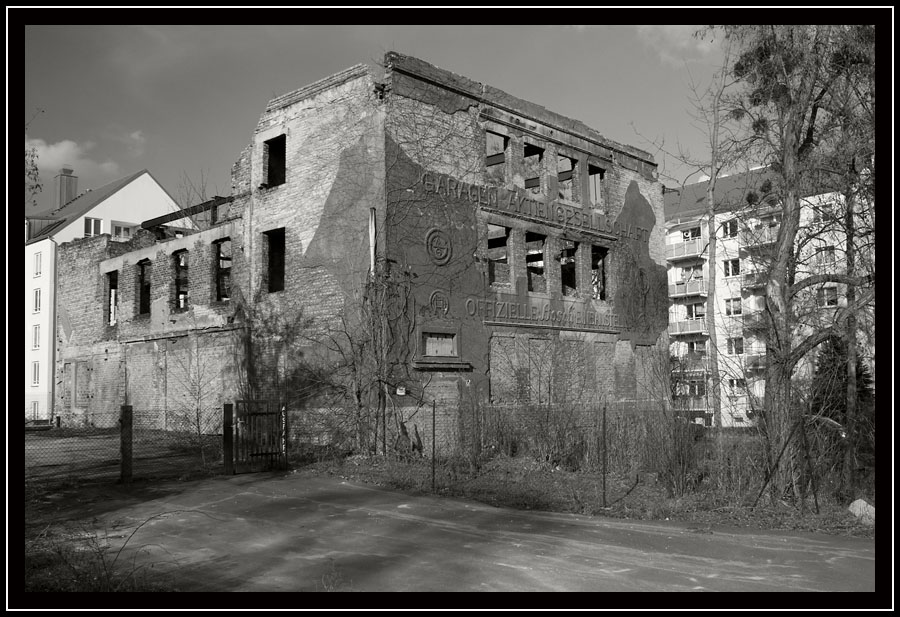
[(185, 100)]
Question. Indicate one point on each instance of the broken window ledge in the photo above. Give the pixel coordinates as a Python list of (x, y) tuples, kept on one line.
[(441, 363)]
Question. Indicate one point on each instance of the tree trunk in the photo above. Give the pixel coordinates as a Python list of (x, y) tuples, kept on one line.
[(848, 479)]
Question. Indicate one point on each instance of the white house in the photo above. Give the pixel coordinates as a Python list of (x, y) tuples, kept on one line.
[(117, 208)]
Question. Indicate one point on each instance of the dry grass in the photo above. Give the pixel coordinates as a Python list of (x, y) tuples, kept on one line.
[(521, 482)]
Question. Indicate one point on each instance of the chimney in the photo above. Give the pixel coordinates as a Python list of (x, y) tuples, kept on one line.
[(65, 187)]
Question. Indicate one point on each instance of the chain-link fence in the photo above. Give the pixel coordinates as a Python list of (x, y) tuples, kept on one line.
[(87, 450), (136, 443)]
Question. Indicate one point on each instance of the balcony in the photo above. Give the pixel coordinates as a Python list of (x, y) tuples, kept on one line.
[(755, 321), (689, 326), (755, 362), (759, 237), (755, 280), (689, 403), (685, 250), (690, 288), (692, 363)]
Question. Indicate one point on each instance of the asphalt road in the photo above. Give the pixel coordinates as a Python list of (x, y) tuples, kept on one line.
[(258, 532)]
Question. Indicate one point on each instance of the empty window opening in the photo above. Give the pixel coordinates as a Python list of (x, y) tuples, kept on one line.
[(439, 344), (274, 160), (223, 270), (145, 271), (495, 148), (92, 227), (498, 255), (736, 346), (598, 272), (595, 184), (112, 298), (534, 162), (275, 259), (181, 280), (568, 267), (733, 306), (534, 261), (565, 170)]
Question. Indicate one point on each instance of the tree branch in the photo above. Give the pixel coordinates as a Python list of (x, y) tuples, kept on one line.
[(830, 278)]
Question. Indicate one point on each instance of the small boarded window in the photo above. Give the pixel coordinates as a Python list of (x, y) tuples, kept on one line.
[(439, 344)]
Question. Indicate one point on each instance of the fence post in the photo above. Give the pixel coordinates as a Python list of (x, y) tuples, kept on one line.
[(604, 455), (432, 445), (228, 439), (126, 421)]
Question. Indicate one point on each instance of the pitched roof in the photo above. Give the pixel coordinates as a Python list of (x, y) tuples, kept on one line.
[(730, 194), (79, 206)]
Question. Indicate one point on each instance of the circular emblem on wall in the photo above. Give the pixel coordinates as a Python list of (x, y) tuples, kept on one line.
[(440, 302), (437, 243)]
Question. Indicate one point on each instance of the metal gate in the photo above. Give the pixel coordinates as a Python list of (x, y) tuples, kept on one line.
[(254, 437)]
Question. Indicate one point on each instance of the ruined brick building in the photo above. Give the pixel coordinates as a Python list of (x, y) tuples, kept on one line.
[(422, 236)]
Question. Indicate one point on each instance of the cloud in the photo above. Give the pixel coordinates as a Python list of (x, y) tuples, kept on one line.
[(676, 45), (133, 140), (51, 157)]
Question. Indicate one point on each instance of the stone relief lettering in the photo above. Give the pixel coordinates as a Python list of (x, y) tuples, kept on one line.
[(541, 314), (519, 202)]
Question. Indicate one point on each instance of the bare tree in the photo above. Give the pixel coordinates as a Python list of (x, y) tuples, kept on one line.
[(790, 74)]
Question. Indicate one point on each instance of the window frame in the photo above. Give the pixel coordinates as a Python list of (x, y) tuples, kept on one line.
[(730, 265), (730, 228), (95, 224), (36, 336), (730, 304), (733, 343), (35, 373), (38, 267), (36, 300)]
